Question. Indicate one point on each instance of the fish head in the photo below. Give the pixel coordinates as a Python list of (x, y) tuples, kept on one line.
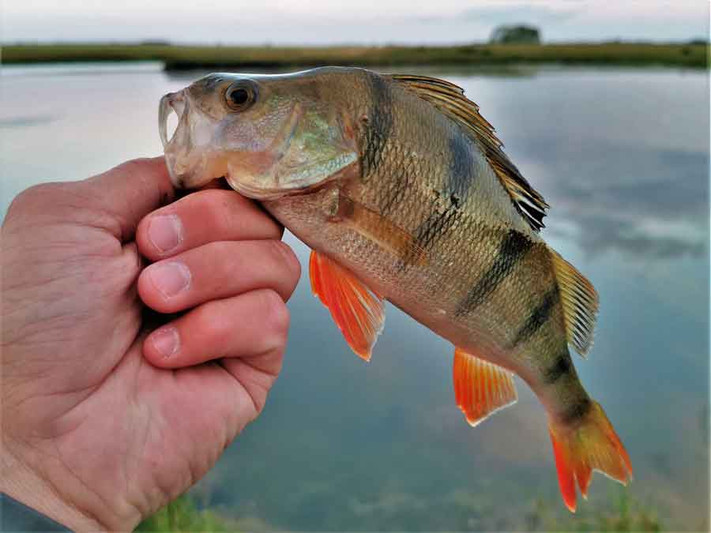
[(269, 136)]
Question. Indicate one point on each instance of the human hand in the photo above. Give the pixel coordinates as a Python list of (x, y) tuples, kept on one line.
[(102, 423)]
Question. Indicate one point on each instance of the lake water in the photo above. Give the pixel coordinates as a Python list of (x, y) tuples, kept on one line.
[(621, 155)]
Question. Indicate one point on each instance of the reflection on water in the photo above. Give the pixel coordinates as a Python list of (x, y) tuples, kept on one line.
[(622, 157), (29, 120)]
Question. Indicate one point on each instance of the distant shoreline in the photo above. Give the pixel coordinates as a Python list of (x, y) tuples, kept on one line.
[(179, 57)]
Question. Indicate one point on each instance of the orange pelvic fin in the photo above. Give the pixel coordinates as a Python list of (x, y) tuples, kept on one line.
[(591, 445), (481, 388), (357, 311)]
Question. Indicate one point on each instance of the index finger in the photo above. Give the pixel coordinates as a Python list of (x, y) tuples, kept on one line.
[(202, 217)]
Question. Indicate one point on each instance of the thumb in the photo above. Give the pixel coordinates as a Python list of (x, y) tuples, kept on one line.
[(130, 191)]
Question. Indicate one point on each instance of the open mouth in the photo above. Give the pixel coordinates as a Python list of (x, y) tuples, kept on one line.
[(170, 111)]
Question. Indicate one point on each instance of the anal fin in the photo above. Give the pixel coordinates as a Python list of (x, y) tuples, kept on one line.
[(480, 387), (357, 311)]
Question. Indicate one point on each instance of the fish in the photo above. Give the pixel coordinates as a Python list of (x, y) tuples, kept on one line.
[(404, 194)]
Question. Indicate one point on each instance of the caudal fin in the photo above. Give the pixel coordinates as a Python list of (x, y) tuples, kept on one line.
[(591, 445)]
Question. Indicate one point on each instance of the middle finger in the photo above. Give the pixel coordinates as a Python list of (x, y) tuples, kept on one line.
[(218, 270)]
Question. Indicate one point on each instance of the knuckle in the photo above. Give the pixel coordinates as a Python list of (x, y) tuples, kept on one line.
[(219, 201), (139, 169), (211, 197), (220, 206), (36, 194), (276, 315), (132, 165), (38, 199), (287, 258), (216, 205), (221, 250)]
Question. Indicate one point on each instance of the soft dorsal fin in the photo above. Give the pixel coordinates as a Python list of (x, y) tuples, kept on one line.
[(450, 99), (481, 388), (357, 311), (580, 304)]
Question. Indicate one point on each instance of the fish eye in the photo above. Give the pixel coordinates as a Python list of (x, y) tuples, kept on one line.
[(240, 95)]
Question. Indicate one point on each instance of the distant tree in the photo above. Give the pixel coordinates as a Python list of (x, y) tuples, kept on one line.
[(519, 34)]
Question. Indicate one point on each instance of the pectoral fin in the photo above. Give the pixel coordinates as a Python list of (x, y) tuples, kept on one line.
[(379, 229), (357, 311), (480, 387)]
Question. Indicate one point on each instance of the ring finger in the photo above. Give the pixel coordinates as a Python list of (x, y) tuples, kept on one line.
[(251, 324)]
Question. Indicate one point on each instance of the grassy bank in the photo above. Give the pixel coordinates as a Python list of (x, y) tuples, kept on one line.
[(621, 513), (212, 57)]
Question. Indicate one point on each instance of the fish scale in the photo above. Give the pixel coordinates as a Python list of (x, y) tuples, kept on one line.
[(455, 255), (403, 192)]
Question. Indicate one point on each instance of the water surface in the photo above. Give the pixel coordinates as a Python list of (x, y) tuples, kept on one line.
[(622, 157)]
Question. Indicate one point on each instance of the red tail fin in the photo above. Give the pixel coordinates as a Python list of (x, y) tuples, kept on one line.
[(591, 445)]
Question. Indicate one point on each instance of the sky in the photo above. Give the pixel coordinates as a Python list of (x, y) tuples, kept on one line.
[(314, 22)]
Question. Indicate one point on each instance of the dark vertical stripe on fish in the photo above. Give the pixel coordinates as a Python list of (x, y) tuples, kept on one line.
[(378, 125), (538, 317), (396, 191), (557, 370), (461, 167), (575, 411), (430, 231), (513, 246)]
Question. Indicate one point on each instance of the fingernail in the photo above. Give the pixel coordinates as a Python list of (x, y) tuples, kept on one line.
[(165, 341), (170, 279), (165, 232)]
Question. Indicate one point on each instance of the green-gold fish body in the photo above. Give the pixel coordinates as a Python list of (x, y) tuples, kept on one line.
[(403, 192)]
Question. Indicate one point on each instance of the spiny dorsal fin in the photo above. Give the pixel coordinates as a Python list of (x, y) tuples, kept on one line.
[(450, 99), (580, 304), (480, 388)]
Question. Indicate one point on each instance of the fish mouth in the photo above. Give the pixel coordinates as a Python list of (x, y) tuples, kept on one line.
[(170, 103), (187, 164)]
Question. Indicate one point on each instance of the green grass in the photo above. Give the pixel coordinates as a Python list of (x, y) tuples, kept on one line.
[(183, 515), (190, 57), (621, 513)]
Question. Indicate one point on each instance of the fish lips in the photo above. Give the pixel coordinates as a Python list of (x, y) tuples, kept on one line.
[(186, 154), (171, 102)]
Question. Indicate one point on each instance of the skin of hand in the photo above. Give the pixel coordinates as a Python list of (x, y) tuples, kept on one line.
[(104, 422)]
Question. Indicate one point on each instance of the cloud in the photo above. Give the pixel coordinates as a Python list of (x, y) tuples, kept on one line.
[(601, 234), (368, 21), (533, 14), (639, 200)]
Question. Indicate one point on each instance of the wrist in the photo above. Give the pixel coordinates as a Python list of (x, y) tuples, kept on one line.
[(23, 484)]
